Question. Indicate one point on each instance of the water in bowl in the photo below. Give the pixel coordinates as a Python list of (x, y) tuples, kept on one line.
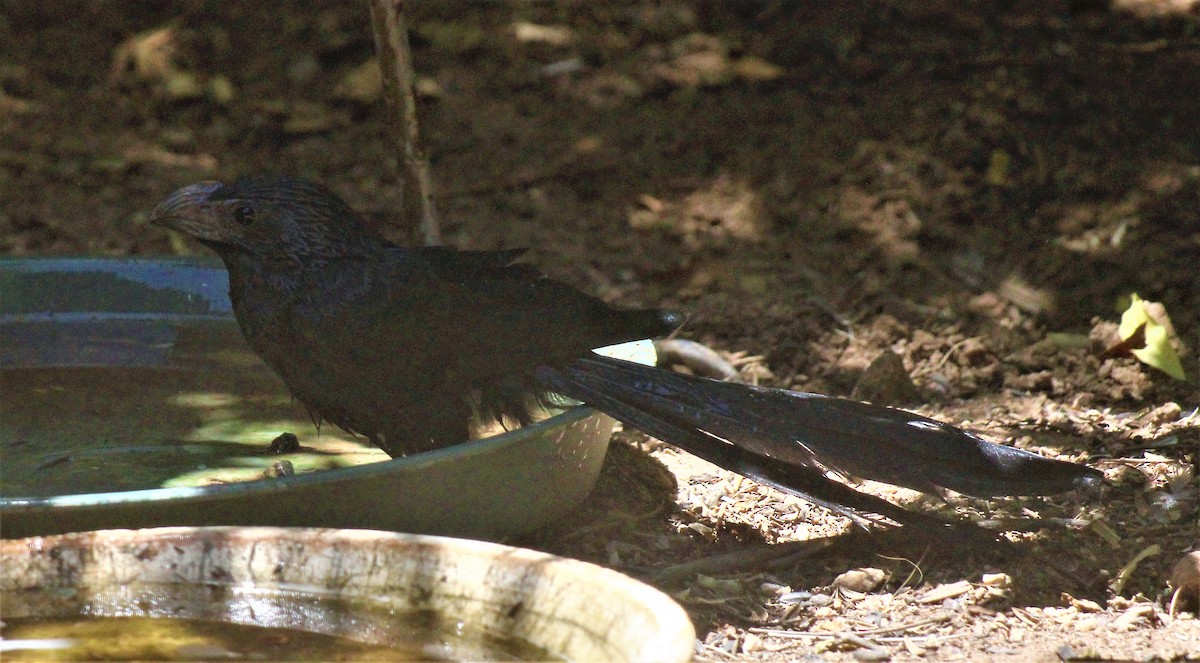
[(410, 637), (203, 412)]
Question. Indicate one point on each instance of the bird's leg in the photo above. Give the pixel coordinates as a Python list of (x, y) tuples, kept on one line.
[(393, 447)]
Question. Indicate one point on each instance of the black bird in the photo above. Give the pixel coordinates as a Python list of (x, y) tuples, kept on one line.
[(407, 346)]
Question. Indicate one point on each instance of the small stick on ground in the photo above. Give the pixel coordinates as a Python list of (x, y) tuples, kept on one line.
[(395, 65)]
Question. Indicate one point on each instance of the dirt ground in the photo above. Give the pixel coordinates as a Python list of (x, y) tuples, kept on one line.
[(972, 186)]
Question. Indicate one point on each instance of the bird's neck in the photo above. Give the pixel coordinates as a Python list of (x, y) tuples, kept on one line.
[(249, 273), (288, 278)]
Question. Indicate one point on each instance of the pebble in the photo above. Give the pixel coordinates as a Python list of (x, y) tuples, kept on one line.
[(820, 600), (796, 597)]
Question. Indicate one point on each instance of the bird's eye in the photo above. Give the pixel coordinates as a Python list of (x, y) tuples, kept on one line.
[(244, 214)]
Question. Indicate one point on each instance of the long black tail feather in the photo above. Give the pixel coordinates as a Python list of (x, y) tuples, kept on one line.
[(799, 480), (790, 440)]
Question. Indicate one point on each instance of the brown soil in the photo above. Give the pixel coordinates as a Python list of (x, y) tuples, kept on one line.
[(971, 185)]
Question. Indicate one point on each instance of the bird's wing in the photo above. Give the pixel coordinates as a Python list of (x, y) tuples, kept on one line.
[(451, 263), (497, 316), (444, 321)]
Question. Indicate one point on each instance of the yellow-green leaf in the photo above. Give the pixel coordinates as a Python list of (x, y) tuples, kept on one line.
[(1158, 351)]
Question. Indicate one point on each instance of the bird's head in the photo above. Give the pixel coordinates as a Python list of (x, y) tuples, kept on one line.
[(276, 220)]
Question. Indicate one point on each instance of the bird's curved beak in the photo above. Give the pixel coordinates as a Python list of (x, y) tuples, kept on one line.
[(185, 210)]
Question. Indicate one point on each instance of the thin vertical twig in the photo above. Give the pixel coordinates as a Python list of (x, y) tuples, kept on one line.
[(395, 67)]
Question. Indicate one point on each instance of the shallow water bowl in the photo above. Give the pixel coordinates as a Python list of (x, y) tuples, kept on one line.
[(131, 400), (217, 593)]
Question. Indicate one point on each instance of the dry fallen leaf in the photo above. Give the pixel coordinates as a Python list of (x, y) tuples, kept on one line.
[(150, 54), (151, 57), (361, 84), (1185, 580), (555, 35), (754, 68), (860, 580), (998, 169), (945, 591)]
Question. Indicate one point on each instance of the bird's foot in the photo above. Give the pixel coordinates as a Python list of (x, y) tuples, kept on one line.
[(286, 443)]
